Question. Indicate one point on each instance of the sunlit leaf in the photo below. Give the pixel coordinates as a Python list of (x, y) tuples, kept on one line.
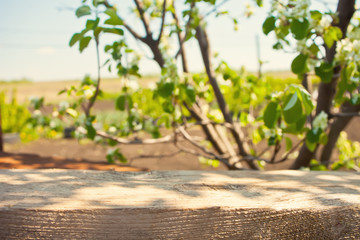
[(299, 64), (325, 72), (292, 109), (84, 42), (331, 35), (271, 114), (83, 11), (299, 28), (269, 25)]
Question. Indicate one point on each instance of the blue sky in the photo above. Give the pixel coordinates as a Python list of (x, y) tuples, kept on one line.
[(34, 38)]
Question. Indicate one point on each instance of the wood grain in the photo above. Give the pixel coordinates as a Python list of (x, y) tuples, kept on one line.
[(69, 204)]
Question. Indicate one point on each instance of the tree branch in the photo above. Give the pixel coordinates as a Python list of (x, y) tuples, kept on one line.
[(205, 52), (187, 29), (344, 114), (127, 26), (272, 161), (144, 20), (103, 134), (187, 136), (180, 40), (215, 8), (156, 156), (135, 34), (198, 154), (162, 21)]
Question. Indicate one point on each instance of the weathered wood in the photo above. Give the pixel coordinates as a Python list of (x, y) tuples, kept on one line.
[(70, 204)]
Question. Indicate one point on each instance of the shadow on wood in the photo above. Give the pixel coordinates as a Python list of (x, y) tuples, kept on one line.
[(70, 204)]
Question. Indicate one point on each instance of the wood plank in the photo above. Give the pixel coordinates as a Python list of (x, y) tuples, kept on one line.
[(70, 204)]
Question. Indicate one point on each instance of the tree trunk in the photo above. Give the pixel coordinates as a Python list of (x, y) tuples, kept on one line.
[(345, 9), (236, 132), (337, 126)]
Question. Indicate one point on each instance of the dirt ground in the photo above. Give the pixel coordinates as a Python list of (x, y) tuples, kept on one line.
[(71, 154)]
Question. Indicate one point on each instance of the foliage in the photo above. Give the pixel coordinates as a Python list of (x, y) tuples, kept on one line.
[(14, 116), (327, 44), (236, 110), (39, 124), (349, 153)]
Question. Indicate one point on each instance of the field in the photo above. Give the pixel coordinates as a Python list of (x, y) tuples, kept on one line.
[(87, 155)]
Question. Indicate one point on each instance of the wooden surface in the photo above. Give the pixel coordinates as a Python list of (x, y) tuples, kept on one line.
[(69, 204)]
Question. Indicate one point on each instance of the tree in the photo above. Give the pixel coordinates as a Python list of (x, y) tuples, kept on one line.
[(331, 61), (227, 105)]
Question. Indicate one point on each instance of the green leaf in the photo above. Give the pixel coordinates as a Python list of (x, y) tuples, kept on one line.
[(120, 103), (313, 135), (259, 3), (76, 37), (92, 24), (84, 42), (311, 146), (316, 166), (271, 114), (314, 49), (112, 142), (62, 91), (299, 64), (122, 158), (277, 46), (97, 2), (190, 93), (272, 141), (91, 132), (168, 107), (288, 143), (337, 165), (316, 15), (299, 29), (323, 139), (299, 125), (83, 10), (331, 35), (350, 71), (306, 101), (72, 112), (114, 18), (292, 110), (325, 72), (117, 31), (269, 25), (165, 90), (115, 154)]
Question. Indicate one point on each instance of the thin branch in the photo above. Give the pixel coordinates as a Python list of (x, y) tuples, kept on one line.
[(193, 142), (93, 98), (162, 21), (198, 154), (102, 134), (345, 114), (264, 151), (156, 156), (215, 8), (127, 26), (135, 34), (143, 17), (250, 158), (187, 29), (277, 148)]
